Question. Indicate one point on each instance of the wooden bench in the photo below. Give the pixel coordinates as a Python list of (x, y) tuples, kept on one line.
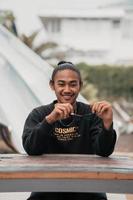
[(69, 173)]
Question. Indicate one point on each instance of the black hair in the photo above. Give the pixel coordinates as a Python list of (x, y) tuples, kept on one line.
[(63, 65)]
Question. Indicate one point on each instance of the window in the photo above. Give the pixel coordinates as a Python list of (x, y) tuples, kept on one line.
[(53, 25), (116, 23)]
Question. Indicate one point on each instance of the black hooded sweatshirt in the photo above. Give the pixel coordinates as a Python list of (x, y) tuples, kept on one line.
[(83, 134)]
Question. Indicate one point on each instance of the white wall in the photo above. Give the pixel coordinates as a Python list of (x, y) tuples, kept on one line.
[(88, 34)]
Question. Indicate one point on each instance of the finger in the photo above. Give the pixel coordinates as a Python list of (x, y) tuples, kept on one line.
[(100, 107), (67, 107), (104, 109), (57, 114), (59, 110), (97, 106), (94, 107), (61, 114), (70, 107), (64, 111)]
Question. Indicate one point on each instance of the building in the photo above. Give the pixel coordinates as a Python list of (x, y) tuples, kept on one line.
[(104, 35)]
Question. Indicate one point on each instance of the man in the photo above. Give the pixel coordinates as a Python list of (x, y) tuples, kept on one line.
[(68, 126)]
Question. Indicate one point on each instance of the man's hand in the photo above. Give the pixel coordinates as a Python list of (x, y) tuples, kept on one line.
[(61, 111), (104, 110)]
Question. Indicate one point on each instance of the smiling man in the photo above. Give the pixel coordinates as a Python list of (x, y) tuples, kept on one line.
[(67, 126)]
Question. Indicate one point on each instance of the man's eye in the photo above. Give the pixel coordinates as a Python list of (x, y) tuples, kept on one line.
[(60, 84), (73, 84)]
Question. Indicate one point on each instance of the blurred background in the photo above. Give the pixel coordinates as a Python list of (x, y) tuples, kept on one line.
[(96, 35)]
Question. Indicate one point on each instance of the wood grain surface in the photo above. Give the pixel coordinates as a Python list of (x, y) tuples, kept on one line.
[(53, 166)]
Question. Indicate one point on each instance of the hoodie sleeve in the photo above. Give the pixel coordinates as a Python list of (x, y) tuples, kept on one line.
[(36, 133), (103, 140)]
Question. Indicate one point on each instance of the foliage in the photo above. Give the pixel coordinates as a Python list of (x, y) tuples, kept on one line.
[(112, 82), (89, 91), (7, 19), (29, 41)]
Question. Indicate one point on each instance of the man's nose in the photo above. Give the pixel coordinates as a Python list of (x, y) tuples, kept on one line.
[(66, 88)]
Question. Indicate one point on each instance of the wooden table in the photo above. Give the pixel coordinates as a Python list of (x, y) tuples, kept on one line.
[(77, 173)]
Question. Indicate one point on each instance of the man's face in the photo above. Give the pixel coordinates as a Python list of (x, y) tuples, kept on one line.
[(66, 86)]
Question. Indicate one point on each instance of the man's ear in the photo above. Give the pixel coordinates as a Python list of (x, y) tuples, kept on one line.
[(51, 83)]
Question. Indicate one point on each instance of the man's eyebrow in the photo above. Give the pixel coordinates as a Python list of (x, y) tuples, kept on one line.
[(62, 81), (74, 81)]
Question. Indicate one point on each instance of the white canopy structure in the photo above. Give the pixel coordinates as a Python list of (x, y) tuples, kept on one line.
[(24, 79)]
